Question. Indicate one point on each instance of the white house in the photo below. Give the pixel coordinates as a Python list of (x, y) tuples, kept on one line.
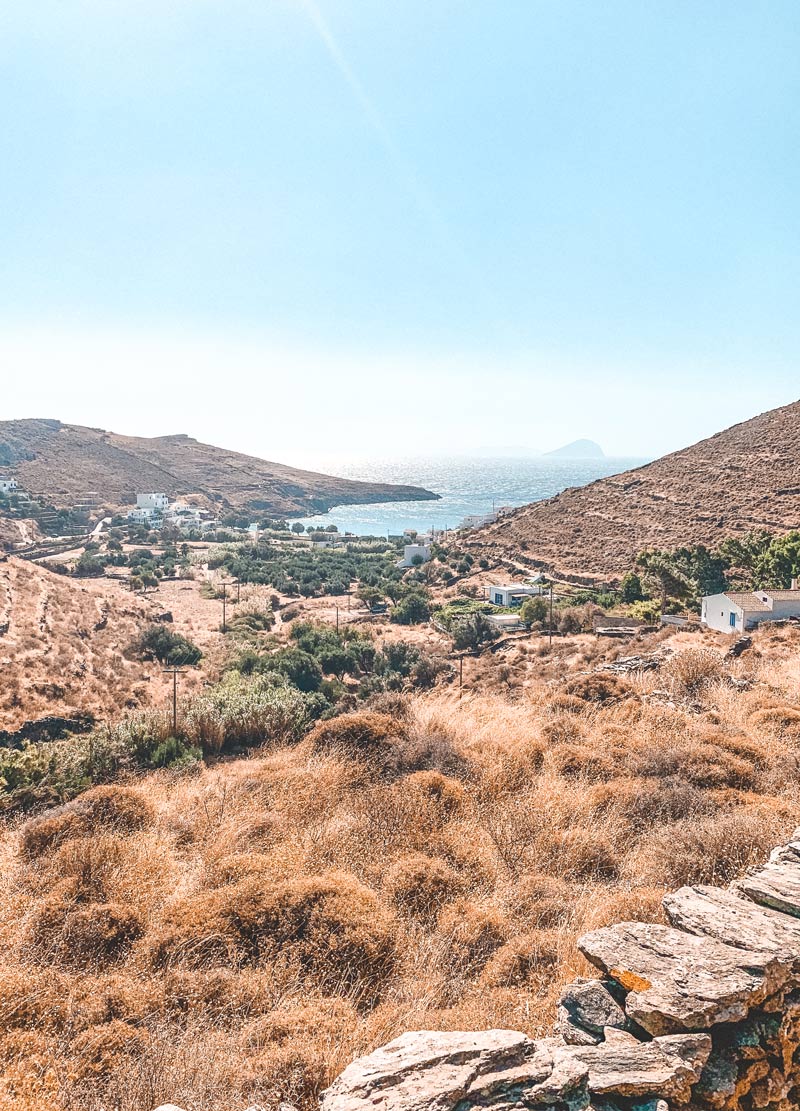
[(512, 594), (476, 520), (149, 509), (411, 552), (7, 485), (156, 502), (733, 612)]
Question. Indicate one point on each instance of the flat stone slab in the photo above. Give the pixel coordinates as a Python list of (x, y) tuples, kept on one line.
[(432, 1071), (734, 919), (777, 884), (679, 982), (665, 1067)]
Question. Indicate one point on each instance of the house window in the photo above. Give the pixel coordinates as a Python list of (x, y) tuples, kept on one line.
[(498, 599), (733, 620)]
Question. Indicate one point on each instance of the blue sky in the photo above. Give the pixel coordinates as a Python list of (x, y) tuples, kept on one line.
[(398, 226)]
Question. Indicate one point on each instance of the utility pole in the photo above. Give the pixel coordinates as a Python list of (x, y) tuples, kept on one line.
[(174, 672), (337, 619), (460, 674), (550, 638), (225, 586)]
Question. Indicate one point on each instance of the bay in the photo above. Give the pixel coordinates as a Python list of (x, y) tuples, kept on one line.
[(466, 485)]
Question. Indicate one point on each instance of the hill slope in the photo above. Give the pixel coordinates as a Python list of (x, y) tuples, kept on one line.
[(65, 462), (744, 478)]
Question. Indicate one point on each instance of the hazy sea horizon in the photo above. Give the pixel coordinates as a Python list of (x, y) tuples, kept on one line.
[(466, 485)]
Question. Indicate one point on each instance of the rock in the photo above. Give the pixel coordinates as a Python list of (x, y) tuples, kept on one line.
[(734, 919), (430, 1071), (679, 983), (585, 1008), (168, 1107), (550, 1079), (777, 884), (665, 1067)]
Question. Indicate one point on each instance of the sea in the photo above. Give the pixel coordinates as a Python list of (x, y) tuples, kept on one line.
[(466, 486)]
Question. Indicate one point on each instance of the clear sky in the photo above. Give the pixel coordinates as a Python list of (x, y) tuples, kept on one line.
[(400, 226)]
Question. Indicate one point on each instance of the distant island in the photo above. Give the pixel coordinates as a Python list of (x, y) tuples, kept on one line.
[(578, 449)]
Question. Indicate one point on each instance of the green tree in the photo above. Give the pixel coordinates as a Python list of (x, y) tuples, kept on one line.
[(631, 588), (298, 527), (412, 609), (664, 576), (534, 610), (472, 631)]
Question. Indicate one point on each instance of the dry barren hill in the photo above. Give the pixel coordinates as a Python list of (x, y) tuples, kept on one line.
[(65, 647), (65, 462), (746, 477)]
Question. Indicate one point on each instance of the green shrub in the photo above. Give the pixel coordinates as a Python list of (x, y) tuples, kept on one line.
[(158, 642)]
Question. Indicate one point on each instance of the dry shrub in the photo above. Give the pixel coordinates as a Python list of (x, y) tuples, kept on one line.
[(96, 1000), (322, 1019), (541, 900), (693, 670), (101, 1050), (444, 794), (90, 866), (391, 704), (564, 728), (472, 934), (420, 885), (374, 739), (122, 809), (600, 686), (574, 761), (29, 998), (519, 960), (262, 832), (331, 927), (82, 936), (584, 854), (569, 703), (781, 721), (238, 866), (714, 849), (222, 994), (294, 1073), (641, 804)]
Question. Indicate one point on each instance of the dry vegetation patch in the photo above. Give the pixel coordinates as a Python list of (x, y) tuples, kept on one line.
[(238, 933)]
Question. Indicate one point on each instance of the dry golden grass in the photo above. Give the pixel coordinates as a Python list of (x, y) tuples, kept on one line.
[(237, 933)]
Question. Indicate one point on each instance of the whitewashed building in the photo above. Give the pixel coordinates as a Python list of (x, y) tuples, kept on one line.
[(420, 553), (150, 509), (7, 485), (513, 594), (735, 612)]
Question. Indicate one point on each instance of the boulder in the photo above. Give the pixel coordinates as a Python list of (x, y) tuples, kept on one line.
[(734, 919), (680, 983), (777, 884), (432, 1071), (585, 1008), (665, 1067)]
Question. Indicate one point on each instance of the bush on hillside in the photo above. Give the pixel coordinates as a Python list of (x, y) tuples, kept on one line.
[(419, 886), (121, 809), (159, 642), (601, 687), (331, 927)]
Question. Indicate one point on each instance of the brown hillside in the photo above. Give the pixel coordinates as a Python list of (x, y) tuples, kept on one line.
[(747, 477), (65, 462), (65, 646)]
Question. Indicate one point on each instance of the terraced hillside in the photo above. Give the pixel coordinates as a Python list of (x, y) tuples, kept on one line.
[(744, 478), (66, 462)]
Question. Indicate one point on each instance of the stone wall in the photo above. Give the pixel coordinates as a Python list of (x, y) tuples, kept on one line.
[(701, 1014)]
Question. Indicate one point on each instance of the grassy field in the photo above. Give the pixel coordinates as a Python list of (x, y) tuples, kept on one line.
[(237, 933)]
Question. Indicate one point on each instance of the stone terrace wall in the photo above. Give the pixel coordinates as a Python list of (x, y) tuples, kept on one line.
[(702, 1014)]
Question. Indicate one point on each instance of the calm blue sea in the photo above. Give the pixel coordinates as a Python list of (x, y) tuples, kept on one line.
[(466, 485)]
